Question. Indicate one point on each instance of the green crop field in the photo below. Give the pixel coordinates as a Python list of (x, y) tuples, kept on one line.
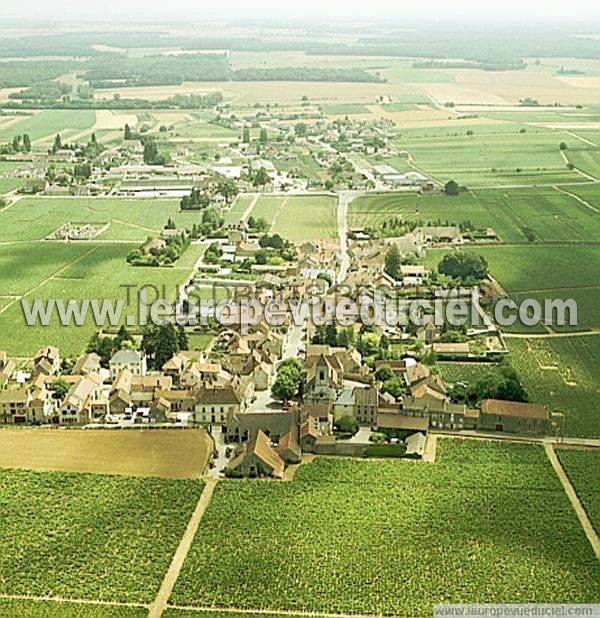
[(72, 271), (492, 155), (204, 130), (545, 272), (299, 217), (238, 208), (306, 218), (90, 537), (562, 373), (582, 469), (552, 216), (347, 109), (46, 124), (350, 536), (452, 372), (587, 160), (129, 219), (25, 608)]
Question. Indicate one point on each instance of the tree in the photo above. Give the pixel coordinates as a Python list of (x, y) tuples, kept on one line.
[(331, 335), (451, 188), (347, 337), (246, 136), (384, 373), (263, 136), (346, 424), (563, 146), (228, 189), (57, 144), (466, 267), (284, 387), (127, 133), (393, 261), (182, 338), (160, 343), (123, 337), (393, 386), (301, 129), (60, 387), (260, 178), (26, 143)]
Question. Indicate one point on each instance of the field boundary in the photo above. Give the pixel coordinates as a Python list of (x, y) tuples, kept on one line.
[(160, 602), (582, 515)]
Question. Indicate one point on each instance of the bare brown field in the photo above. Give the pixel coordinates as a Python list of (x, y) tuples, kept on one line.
[(269, 92), (169, 453), (107, 119)]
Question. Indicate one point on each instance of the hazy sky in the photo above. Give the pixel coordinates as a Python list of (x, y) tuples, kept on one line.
[(341, 9)]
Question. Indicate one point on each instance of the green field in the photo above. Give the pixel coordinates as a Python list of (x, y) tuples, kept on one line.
[(129, 219), (299, 217), (551, 215), (48, 123), (582, 469), (238, 208), (203, 130), (347, 109), (452, 372), (72, 271), (562, 373), (20, 608), (493, 155), (545, 272), (350, 536), (90, 537)]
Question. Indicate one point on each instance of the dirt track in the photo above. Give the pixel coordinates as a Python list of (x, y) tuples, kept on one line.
[(170, 453)]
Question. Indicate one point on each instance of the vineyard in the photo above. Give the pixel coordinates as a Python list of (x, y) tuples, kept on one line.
[(582, 469), (562, 373), (393, 538), (56, 609), (90, 537)]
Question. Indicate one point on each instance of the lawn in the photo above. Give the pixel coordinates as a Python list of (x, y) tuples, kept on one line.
[(582, 469), (350, 536), (552, 216), (563, 374), (238, 208), (87, 536)]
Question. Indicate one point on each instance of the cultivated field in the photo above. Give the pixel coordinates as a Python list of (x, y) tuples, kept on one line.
[(299, 217), (46, 270), (562, 373), (46, 124), (87, 536), (178, 454), (395, 535), (491, 155), (552, 216), (26, 608), (582, 469)]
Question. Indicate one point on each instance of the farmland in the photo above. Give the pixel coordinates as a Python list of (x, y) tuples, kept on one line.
[(132, 220), (71, 271), (493, 154), (299, 217), (562, 373), (552, 216), (90, 537), (134, 453), (62, 609), (582, 469), (504, 500), (545, 272), (46, 124)]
